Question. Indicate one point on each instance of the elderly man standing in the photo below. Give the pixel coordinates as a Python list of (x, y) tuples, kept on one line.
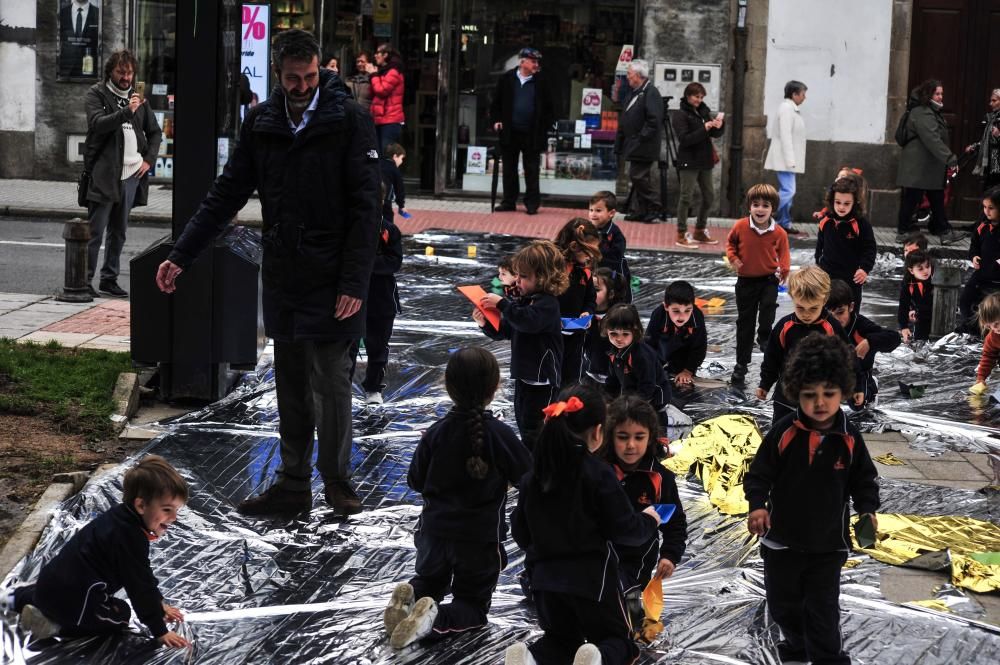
[(522, 114), (309, 150), (123, 139), (787, 154), (638, 140)]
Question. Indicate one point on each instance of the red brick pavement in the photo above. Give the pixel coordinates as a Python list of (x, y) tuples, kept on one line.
[(105, 318), (547, 223)]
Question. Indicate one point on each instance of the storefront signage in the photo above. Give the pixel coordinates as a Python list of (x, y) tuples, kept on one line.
[(590, 102), (383, 11), (475, 162), (79, 39), (254, 54), (624, 58)]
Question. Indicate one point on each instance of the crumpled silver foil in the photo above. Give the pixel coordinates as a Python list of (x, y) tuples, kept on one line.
[(312, 590)]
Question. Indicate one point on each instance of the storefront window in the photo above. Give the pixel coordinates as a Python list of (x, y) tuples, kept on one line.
[(580, 44), (155, 48)]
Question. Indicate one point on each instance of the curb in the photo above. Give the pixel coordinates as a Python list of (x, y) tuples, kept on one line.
[(24, 539)]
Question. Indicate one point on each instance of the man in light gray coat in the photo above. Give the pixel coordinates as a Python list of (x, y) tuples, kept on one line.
[(787, 154)]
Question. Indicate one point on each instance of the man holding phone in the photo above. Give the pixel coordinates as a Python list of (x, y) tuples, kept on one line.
[(123, 139)]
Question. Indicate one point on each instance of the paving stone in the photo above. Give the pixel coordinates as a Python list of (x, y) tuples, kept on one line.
[(65, 339), (57, 307), (904, 472), (14, 333), (935, 470), (109, 343), (982, 462)]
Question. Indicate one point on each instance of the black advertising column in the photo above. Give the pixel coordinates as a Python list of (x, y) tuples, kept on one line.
[(211, 322)]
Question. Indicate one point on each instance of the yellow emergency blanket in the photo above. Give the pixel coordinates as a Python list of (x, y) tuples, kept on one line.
[(902, 538), (889, 460), (719, 452)]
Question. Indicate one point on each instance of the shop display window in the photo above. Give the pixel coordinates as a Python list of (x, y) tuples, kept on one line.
[(155, 48)]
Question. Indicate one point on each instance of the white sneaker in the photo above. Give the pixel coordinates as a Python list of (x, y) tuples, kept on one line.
[(400, 606), (417, 625), (588, 654), (40, 626), (373, 399), (518, 654)]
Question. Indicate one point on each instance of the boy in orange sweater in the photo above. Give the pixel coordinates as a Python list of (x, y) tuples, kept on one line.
[(758, 251)]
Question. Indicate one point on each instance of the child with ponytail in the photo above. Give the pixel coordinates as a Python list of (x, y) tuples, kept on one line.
[(578, 240), (462, 467), (570, 513)]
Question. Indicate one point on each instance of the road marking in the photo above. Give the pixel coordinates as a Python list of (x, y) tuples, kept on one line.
[(32, 244)]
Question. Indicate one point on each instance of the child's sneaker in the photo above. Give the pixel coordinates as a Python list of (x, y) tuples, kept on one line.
[(518, 654), (588, 654), (417, 625), (400, 605), (40, 626), (373, 399)]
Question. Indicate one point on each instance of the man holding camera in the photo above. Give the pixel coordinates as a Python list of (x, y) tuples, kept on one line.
[(123, 139), (638, 141)]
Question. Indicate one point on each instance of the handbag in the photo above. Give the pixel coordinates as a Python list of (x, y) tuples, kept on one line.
[(715, 156), (82, 188)]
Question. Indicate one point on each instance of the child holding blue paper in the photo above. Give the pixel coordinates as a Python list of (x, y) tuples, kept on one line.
[(578, 240), (633, 447)]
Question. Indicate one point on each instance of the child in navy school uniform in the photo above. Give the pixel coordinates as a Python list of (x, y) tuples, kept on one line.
[(609, 289), (984, 254), (571, 512), (392, 178), (864, 335), (916, 297), (633, 447), (809, 289), (612, 246), (74, 595), (462, 467), (503, 285), (634, 365), (845, 244), (532, 324), (677, 332), (807, 468), (578, 241), (381, 309)]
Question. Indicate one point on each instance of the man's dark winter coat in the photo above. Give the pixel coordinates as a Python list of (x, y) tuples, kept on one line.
[(641, 126), (502, 108)]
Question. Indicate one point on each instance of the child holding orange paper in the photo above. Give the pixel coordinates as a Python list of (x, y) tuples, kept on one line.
[(532, 324)]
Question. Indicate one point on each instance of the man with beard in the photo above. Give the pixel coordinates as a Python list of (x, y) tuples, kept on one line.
[(123, 139), (309, 151)]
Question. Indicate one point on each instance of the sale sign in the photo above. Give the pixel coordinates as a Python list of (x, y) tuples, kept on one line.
[(255, 51), (475, 161), (590, 101), (625, 57)]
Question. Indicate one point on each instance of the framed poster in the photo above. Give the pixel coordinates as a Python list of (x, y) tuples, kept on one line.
[(79, 39)]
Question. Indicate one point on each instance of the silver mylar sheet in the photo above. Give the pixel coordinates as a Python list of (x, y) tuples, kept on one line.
[(312, 589)]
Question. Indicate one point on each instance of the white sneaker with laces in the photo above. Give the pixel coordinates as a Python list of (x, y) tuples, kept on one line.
[(417, 625), (373, 399)]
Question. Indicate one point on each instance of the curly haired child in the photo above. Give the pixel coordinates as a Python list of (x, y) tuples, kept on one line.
[(532, 323), (462, 468), (807, 468)]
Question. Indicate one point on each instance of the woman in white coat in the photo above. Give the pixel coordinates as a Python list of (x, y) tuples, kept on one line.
[(787, 154)]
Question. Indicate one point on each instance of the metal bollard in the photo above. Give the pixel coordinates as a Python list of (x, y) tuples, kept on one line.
[(947, 281), (76, 233)]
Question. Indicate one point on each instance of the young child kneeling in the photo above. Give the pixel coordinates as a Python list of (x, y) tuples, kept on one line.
[(570, 512), (74, 595), (798, 486), (462, 467)]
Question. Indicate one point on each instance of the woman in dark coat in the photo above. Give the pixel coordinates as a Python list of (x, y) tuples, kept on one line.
[(988, 160), (924, 161), (695, 126)]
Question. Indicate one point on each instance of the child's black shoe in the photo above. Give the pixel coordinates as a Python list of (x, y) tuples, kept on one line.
[(739, 375)]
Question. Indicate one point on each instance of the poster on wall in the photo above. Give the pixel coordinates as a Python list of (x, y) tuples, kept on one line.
[(590, 101), (254, 53), (79, 39), (475, 161)]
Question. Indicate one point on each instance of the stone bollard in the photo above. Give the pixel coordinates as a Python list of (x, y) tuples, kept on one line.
[(947, 281), (76, 233)]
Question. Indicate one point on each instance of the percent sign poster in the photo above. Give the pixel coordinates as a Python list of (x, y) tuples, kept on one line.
[(254, 54)]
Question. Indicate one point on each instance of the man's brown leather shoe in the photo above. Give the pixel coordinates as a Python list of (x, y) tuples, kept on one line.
[(342, 497)]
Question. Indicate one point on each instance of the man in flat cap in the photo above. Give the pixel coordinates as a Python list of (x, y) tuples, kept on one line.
[(522, 114)]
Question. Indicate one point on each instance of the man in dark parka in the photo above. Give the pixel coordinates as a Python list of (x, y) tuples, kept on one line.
[(310, 152), (638, 141)]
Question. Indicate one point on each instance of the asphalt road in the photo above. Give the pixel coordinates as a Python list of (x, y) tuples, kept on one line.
[(32, 254)]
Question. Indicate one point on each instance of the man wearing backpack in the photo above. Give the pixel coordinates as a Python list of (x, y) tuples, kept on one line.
[(924, 161)]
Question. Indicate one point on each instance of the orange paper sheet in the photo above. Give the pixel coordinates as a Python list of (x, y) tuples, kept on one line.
[(709, 304), (475, 293)]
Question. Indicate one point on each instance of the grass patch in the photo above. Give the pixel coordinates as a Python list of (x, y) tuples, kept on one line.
[(72, 387)]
